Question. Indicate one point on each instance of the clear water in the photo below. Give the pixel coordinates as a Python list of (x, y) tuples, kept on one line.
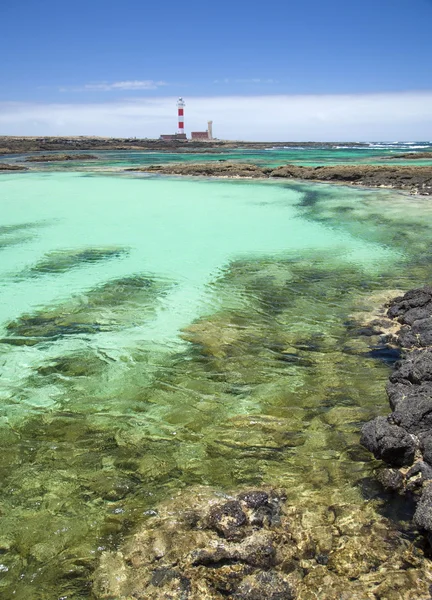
[(374, 154), (158, 333)]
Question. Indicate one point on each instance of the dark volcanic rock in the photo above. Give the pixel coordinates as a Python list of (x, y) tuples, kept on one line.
[(391, 479), (399, 391), (410, 156), (416, 368), (60, 157), (417, 179), (417, 336), (407, 433), (254, 499), (423, 513), (268, 585), (388, 442), (210, 169), (412, 299), (426, 446), (414, 414), (420, 468), (414, 179), (9, 167), (227, 520)]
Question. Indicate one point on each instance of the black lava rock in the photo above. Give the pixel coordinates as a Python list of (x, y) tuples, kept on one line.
[(391, 479), (426, 446), (227, 518), (254, 499), (416, 368), (414, 414), (423, 513), (412, 299), (388, 442), (264, 586)]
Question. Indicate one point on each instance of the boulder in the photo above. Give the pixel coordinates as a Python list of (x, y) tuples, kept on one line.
[(414, 414), (416, 368), (388, 442), (423, 513)]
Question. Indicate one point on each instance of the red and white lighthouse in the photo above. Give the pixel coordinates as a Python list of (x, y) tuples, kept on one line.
[(180, 108)]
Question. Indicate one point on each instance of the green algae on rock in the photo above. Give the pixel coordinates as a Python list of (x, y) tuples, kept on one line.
[(101, 309), (18, 233), (60, 261)]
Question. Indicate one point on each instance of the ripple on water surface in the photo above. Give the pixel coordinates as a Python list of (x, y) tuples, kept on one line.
[(215, 350)]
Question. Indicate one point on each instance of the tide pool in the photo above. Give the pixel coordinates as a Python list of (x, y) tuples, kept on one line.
[(159, 333)]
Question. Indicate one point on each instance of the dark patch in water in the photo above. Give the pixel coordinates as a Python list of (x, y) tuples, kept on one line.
[(99, 310), (61, 261), (73, 366), (6, 242), (386, 354), (6, 229), (310, 198)]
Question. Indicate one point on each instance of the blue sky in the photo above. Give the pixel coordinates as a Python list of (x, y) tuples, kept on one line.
[(73, 56)]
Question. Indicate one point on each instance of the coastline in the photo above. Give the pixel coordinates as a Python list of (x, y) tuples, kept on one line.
[(403, 440), (416, 180), (24, 144)]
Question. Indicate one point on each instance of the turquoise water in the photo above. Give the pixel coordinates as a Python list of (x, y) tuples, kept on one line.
[(158, 333), (375, 154)]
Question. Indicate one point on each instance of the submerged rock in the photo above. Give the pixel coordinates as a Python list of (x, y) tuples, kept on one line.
[(12, 167), (60, 157), (183, 553), (102, 309), (61, 261)]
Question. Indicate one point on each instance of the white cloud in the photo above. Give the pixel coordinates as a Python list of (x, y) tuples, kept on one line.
[(387, 116), (253, 80), (104, 86)]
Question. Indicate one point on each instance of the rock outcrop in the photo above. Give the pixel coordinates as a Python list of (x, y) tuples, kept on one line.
[(22, 144), (60, 157), (411, 156), (9, 167), (220, 168), (413, 179), (404, 439)]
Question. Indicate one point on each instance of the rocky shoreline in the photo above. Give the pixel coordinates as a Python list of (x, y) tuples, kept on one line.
[(403, 440), (413, 179), (412, 156), (24, 144), (11, 167), (60, 157)]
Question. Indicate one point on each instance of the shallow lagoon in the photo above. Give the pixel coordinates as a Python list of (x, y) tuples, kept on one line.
[(195, 333)]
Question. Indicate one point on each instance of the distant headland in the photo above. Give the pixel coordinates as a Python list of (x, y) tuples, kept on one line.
[(24, 144)]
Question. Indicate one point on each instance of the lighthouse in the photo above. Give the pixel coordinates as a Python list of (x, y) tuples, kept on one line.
[(180, 110)]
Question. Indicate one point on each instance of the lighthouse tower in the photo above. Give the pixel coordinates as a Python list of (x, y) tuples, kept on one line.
[(180, 108)]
